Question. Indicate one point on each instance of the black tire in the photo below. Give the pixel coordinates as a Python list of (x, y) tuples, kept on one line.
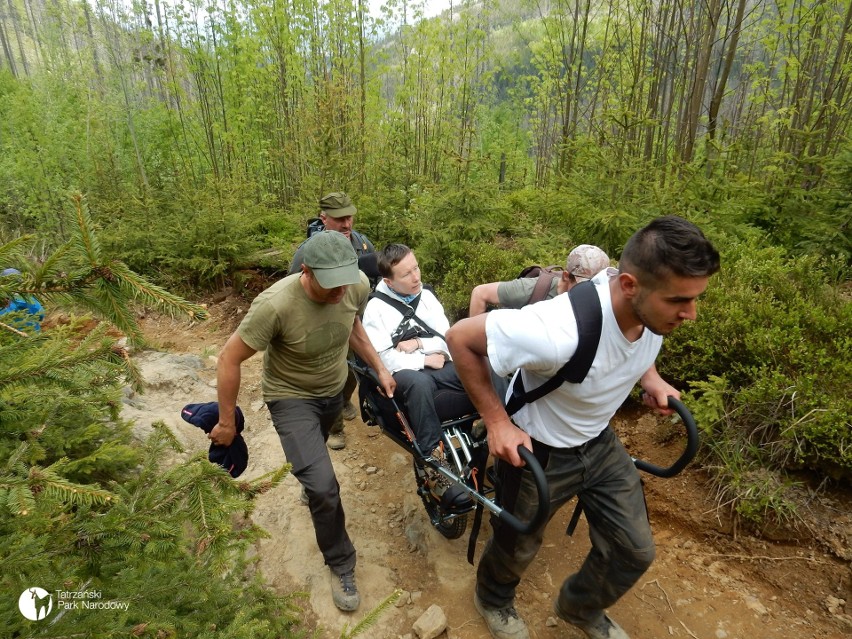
[(451, 527)]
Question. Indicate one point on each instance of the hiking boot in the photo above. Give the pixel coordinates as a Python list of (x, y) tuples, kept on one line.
[(344, 592), (349, 412), (448, 493), (303, 497), (336, 441), (603, 628), (503, 623)]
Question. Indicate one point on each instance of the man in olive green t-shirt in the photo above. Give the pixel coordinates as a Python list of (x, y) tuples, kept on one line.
[(337, 213), (306, 323), (584, 262)]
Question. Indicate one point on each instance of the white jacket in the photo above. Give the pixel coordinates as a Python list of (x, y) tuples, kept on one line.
[(381, 321)]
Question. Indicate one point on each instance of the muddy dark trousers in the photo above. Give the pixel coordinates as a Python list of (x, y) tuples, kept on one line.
[(418, 390), (303, 426), (602, 475), (348, 389)]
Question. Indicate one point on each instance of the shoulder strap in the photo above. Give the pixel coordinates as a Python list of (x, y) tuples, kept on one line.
[(587, 312), (542, 286), (407, 311), (315, 225), (364, 245)]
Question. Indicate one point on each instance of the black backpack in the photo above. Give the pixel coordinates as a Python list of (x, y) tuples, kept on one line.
[(587, 312), (545, 275), (315, 225)]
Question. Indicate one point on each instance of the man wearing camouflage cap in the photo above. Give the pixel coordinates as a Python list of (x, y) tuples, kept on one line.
[(337, 213), (305, 323), (584, 262)]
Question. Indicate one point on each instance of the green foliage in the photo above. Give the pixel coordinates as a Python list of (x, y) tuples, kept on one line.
[(769, 330), (813, 223), (189, 239), (169, 543), (83, 508), (746, 479)]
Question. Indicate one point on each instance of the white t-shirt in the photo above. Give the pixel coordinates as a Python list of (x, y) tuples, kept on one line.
[(540, 338)]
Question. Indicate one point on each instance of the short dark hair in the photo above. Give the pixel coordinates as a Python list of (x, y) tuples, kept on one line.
[(390, 256), (668, 245)]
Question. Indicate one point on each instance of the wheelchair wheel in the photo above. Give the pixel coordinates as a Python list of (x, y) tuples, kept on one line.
[(451, 526)]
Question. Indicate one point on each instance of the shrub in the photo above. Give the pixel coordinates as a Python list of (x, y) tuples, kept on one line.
[(772, 331)]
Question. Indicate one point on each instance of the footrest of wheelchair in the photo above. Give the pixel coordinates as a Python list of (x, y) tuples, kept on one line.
[(456, 499)]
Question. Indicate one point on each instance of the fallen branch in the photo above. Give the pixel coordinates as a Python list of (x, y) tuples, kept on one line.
[(691, 634), (657, 584), (765, 558)]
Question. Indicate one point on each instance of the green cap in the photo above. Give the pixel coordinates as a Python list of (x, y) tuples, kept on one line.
[(332, 259), (337, 204)]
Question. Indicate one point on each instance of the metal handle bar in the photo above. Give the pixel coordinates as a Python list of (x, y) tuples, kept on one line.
[(543, 509), (688, 453)]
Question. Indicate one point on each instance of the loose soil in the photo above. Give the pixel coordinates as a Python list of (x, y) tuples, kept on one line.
[(708, 582)]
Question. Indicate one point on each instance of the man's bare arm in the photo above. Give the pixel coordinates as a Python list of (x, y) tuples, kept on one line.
[(360, 343), (469, 348), (481, 296), (657, 391), (228, 375)]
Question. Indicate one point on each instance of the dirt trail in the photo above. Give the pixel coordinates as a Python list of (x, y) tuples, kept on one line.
[(704, 584)]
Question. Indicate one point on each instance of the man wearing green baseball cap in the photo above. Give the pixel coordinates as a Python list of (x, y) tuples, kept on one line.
[(306, 323), (337, 213)]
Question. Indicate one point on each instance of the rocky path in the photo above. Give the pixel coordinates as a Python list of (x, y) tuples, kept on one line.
[(704, 584)]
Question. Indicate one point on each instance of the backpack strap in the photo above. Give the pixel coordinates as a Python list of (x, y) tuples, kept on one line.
[(542, 285), (364, 245), (408, 311), (315, 225), (587, 311)]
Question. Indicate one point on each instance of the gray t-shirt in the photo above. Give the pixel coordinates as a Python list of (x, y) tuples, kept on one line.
[(305, 342), (516, 293)]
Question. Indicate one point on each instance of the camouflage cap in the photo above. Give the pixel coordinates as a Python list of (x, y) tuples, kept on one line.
[(586, 261), (332, 259), (337, 204)]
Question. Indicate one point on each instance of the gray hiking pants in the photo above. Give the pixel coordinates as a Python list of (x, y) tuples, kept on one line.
[(303, 426), (348, 389), (602, 475)]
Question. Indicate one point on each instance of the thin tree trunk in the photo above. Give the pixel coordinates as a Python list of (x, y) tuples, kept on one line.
[(699, 83), (34, 29), (16, 19), (7, 49)]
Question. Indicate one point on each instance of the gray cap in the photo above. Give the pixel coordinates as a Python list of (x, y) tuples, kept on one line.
[(332, 259), (586, 261), (337, 204)]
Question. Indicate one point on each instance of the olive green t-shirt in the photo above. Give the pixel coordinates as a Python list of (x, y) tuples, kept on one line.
[(305, 342), (516, 293)]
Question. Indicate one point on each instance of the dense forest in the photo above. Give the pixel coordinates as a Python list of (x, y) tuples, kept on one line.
[(153, 146)]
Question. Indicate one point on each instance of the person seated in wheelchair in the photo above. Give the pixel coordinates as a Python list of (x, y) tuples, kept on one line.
[(406, 325)]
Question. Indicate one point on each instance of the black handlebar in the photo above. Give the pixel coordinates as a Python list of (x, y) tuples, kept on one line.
[(543, 509), (688, 453)]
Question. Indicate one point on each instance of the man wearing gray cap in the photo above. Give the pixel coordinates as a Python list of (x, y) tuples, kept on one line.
[(584, 262), (306, 323), (337, 213)]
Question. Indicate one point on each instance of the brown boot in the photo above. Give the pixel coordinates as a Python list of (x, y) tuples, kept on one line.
[(442, 489)]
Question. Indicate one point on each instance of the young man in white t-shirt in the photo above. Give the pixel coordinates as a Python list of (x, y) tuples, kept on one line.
[(664, 268)]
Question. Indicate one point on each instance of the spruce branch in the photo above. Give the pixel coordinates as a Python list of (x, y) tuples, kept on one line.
[(12, 329), (134, 285), (85, 236), (13, 252), (371, 617)]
